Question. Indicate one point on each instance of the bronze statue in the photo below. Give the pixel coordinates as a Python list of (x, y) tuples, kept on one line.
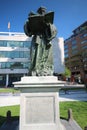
[(40, 27)]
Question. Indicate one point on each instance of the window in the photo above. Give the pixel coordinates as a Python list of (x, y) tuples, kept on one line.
[(85, 66), (10, 44), (15, 54), (83, 35), (65, 50), (66, 55), (3, 44), (77, 31), (3, 65), (2, 54), (26, 54), (74, 47), (65, 46), (16, 65), (27, 44), (74, 51), (85, 41), (26, 65), (21, 54), (85, 59), (7, 65), (74, 42), (84, 47)]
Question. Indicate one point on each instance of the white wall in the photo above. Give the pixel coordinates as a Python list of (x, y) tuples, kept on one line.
[(58, 55)]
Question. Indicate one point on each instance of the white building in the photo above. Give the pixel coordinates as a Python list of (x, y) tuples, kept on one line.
[(14, 57)]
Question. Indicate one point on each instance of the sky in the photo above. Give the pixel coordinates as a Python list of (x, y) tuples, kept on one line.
[(69, 14)]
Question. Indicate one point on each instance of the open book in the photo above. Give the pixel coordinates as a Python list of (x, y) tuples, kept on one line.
[(37, 22)]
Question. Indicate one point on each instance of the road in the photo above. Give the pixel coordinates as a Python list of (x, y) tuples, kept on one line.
[(73, 96), (10, 99)]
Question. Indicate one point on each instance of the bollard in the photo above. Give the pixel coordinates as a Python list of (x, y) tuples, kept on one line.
[(70, 116), (85, 128), (8, 117)]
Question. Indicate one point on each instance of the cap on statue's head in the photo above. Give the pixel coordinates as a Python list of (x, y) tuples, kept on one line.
[(41, 10)]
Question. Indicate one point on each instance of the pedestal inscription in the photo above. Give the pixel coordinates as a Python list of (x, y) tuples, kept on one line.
[(40, 109)]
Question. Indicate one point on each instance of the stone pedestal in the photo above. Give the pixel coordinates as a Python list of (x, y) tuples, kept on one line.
[(39, 106)]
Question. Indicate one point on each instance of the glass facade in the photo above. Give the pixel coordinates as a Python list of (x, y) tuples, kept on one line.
[(14, 65), (14, 54), (21, 44)]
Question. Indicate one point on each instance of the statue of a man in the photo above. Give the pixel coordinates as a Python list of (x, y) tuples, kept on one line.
[(40, 27)]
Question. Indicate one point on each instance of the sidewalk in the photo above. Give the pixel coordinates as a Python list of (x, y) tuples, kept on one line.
[(9, 99)]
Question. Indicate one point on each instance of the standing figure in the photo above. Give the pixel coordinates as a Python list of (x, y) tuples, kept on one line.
[(40, 27)]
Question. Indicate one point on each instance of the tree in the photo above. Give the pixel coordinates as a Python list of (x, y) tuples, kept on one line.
[(67, 72)]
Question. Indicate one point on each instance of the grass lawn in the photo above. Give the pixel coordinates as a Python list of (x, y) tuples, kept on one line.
[(10, 90), (15, 110), (79, 110)]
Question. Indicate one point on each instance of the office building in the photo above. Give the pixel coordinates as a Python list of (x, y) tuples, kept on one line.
[(75, 49), (14, 57)]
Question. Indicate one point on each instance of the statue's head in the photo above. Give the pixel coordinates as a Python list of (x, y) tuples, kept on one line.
[(41, 10)]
